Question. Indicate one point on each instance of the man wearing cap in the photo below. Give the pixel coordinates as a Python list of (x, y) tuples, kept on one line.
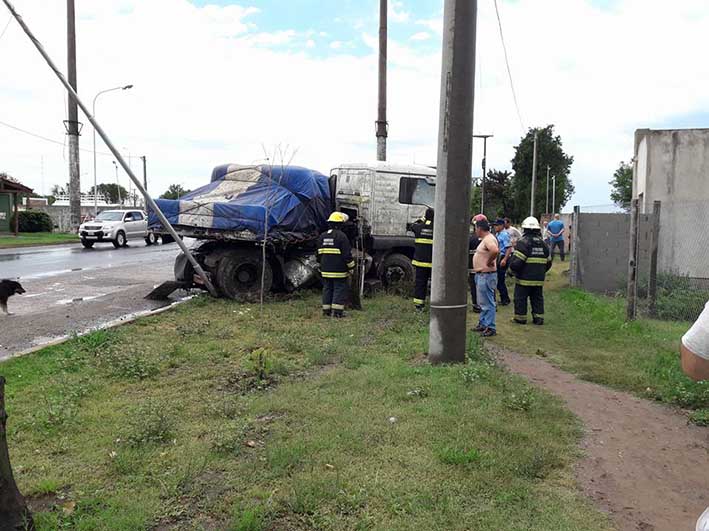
[(485, 268), (505, 245), (423, 257), (336, 263), (473, 243)]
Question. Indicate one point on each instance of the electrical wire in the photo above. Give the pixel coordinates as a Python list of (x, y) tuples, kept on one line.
[(509, 70), (5, 28)]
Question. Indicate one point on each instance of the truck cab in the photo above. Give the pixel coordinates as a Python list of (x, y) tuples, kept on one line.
[(372, 194)]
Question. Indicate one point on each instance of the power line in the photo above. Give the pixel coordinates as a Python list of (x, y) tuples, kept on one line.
[(509, 70), (5, 28)]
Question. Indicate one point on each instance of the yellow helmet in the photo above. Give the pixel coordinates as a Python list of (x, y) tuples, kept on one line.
[(338, 217)]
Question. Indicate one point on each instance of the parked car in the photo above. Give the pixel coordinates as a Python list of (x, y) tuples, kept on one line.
[(118, 227)]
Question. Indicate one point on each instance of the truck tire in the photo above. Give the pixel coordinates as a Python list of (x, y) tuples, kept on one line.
[(184, 271), (166, 238), (396, 270), (239, 275), (151, 239)]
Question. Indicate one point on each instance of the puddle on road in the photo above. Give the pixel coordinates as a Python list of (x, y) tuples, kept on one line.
[(65, 302)]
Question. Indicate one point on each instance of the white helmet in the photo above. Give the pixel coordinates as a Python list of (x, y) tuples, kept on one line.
[(531, 223)]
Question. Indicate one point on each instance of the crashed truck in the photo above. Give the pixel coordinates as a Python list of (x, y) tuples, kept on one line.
[(248, 213)]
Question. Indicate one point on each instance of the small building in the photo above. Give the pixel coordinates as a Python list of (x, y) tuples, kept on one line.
[(672, 166), (10, 193)]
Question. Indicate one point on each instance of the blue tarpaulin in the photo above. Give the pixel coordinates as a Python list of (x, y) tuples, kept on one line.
[(296, 201)]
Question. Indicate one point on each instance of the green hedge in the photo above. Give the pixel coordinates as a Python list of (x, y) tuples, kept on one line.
[(33, 221)]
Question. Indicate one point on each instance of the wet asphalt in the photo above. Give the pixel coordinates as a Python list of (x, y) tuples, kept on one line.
[(73, 290)]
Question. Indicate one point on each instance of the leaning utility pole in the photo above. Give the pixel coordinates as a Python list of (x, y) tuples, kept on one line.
[(449, 294), (72, 123), (145, 172), (482, 183), (534, 174), (546, 210), (382, 124)]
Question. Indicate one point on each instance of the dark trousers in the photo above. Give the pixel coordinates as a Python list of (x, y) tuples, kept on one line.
[(535, 294), (423, 274), (334, 294), (561, 246), (473, 289), (501, 285)]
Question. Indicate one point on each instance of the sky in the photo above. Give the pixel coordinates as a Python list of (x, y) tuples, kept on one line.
[(251, 81)]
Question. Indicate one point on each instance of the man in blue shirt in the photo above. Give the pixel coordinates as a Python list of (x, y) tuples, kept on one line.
[(556, 231), (505, 243)]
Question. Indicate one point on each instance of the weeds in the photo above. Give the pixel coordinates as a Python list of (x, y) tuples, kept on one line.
[(458, 456), (520, 400), (132, 365), (150, 423), (700, 417)]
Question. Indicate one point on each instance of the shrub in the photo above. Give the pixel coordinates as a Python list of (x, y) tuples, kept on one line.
[(150, 423), (33, 221)]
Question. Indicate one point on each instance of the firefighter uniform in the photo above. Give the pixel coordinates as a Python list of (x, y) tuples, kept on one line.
[(335, 259), (423, 257), (530, 263)]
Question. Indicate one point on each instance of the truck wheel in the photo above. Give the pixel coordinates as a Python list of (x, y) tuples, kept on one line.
[(151, 239), (166, 238), (184, 271), (120, 240), (239, 275), (396, 270)]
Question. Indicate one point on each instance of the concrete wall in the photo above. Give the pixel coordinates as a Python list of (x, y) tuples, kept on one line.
[(604, 249), (672, 166), (61, 215)]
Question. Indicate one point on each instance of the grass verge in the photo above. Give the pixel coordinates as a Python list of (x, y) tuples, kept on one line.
[(28, 239), (587, 334), (211, 416)]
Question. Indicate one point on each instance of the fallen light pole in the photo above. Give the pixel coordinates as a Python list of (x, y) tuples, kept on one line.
[(148, 200), (449, 294)]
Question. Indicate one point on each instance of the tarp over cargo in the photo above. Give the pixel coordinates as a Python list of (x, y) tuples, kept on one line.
[(296, 200)]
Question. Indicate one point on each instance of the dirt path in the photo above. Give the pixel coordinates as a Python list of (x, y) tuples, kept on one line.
[(644, 464)]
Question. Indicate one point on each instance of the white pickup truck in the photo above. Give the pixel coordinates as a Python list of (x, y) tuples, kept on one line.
[(118, 227)]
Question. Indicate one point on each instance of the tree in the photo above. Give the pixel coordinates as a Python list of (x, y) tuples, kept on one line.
[(175, 191), (114, 193), (622, 185), (549, 153), (59, 190)]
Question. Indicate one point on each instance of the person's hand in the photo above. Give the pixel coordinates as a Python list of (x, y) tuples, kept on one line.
[(503, 262)]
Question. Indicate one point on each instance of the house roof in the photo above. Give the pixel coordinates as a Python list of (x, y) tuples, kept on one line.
[(7, 185)]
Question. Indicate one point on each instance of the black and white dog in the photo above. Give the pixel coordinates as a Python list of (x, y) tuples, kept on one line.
[(8, 288)]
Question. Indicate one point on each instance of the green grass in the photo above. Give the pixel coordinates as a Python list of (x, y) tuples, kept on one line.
[(587, 334), (221, 418), (27, 239)]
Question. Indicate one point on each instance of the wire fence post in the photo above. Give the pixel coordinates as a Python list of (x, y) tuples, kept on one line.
[(633, 262), (575, 277), (654, 254)]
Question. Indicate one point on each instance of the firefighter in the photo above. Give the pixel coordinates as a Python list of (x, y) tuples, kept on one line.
[(530, 262), (336, 263), (423, 256)]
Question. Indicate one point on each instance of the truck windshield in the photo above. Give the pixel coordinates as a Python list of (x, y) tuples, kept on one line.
[(416, 191), (110, 216)]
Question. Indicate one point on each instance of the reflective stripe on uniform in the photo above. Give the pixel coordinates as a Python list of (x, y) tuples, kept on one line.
[(539, 315), (425, 241), (422, 264), (329, 250), (531, 283), (521, 255), (418, 302), (537, 261), (521, 317), (334, 275), (326, 307), (351, 264), (338, 307)]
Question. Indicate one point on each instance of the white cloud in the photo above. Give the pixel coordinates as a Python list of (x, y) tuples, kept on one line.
[(397, 12), (420, 36), (336, 45), (310, 43), (211, 88), (434, 24)]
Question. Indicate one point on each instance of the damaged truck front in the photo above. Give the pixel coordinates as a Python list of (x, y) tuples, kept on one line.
[(251, 213)]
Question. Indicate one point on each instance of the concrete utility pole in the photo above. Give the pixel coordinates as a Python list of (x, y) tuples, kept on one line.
[(546, 210), (534, 174), (145, 172), (72, 123), (449, 293), (382, 124), (482, 185), (553, 195)]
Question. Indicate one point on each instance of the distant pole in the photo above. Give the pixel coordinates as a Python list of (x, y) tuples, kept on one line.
[(633, 262), (72, 123), (654, 254), (553, 195), (546, 210), (482, 185), (534, 174), (145, 172), (449, 293), (118, 184), (382, 124)]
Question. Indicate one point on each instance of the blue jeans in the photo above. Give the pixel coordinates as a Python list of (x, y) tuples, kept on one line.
[(486, 284)]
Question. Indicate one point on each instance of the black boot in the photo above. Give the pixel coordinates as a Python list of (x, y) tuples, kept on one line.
[(538, 321), (327, 313), (338, 314)]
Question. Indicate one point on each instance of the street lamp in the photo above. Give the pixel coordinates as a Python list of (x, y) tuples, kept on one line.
[(118, 186), (124, 87), (482, 186)]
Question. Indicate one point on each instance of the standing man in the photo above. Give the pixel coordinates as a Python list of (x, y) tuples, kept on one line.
[(556, 231), (505, 245), (336, 263), (485, 267), (515, 234), (423, 257), (530, 263), (472, 247)]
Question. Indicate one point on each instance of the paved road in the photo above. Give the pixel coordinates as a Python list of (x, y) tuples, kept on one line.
[(71, 289)]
